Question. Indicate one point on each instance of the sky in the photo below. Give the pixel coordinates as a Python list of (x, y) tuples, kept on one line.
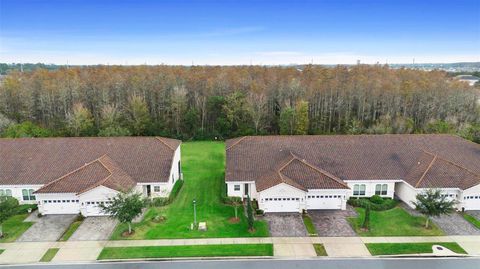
[(226, 32)]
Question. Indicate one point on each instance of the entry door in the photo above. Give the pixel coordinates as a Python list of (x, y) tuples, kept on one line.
[(149, 190), (246, 190)]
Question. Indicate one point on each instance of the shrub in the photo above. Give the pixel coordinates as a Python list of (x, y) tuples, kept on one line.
[(364, 202), (259, 212), (175, 190), (250, 219), (376, 199), (366, 220), (163, 201), (159, 201), (231, 200)]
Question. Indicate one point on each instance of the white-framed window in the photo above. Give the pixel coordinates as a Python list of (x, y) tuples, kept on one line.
[(236, 187), (6, 192), (28, 195), (359, 189), (381, 189), (156, 188)]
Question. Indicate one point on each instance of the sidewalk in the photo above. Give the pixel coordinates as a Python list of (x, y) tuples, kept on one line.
[(297, 247)]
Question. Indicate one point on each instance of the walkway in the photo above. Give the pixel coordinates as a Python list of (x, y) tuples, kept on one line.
[(296, 247)]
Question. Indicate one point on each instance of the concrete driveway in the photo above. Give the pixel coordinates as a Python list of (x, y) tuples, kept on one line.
[(46, 228), (333, 222), (285, 224), (94, 228)]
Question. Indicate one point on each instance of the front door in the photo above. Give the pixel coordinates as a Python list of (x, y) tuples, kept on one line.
[(246, 190), (149, 190)]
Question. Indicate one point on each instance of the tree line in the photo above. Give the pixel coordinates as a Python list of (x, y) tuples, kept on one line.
[(207, 102)]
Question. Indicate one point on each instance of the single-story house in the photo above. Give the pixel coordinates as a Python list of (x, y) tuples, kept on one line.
[(293, 173), (75, 175)]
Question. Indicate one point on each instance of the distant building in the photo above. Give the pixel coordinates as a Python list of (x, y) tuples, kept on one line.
[(471, 80)]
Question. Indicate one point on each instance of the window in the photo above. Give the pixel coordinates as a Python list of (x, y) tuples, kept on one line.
[(381, 189), (236, 187), (359, 189), (28, 195), (6, 192), (156, 188)]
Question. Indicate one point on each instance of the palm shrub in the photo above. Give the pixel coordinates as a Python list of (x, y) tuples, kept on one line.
[(431, 203), (366, 220), (250, 219)]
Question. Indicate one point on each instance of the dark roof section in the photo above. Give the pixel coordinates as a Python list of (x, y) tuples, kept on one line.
[(359, 157), (43, 160)]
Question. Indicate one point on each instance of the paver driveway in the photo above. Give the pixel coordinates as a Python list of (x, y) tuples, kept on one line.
[(46, 228), (333, 222), (94, 228), (455, 224), (285, 224)]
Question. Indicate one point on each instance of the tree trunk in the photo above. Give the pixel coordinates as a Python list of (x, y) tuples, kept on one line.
[(426, 222), (236, 215), (1, 231), (129, 228)]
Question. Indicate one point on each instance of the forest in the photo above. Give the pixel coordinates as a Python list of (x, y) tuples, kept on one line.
[(220, 102)]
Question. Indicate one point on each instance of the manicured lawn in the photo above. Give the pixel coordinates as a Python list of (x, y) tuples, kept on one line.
[(203, 169), (14, 227), (320, 250), (186, 251), (71, 229), (410, 248), (472, 220), (49, 255), (309, 225), (393, 222)]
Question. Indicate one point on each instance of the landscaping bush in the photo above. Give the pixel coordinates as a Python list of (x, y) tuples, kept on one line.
[(175, 190), (231, 200), (163, 201), (159, 201), (376, 199), (259, 212), (364, 203)]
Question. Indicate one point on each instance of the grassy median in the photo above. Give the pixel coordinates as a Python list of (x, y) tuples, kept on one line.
[(186, 251), (410, 248), (49, 255)]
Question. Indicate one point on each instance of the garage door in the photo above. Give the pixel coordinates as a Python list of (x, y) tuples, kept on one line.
[(61, 206), (324, 201), (472, 202), (92, 208), (282, 204)]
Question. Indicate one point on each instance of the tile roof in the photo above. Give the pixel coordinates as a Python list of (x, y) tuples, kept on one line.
[(325, 161), (40, 161)]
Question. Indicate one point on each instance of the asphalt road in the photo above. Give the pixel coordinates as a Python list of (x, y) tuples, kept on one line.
[(325, 263)]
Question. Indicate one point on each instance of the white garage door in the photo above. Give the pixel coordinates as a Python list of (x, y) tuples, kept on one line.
[(92, 208), (472, 202), (61, 206), (282, 204), (324, 201)]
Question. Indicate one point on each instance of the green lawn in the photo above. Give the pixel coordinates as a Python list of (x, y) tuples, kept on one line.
[(71, 229), (410, 248), (320, 250), (309, 225), (1, 251), (49, 255), (474, 221), (393, 222), (203, 169), (14, 227), (186, 251)]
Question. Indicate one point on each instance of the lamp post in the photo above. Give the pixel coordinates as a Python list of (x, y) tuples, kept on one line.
[(194, 213)]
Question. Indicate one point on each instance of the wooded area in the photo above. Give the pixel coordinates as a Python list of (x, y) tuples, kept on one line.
[(202, 102)]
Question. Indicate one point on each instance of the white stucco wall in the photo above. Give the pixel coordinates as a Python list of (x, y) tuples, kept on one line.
[(471, 204), (241, 193), (98, 194), (17, 191)]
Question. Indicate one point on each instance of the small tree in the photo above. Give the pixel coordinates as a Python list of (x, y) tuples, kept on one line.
[(8, 206), (125, 207), (236, 202), (250, 219), (366, 220), (431, 203)]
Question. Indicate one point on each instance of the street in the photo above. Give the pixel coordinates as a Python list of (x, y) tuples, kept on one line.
[(324, 263)]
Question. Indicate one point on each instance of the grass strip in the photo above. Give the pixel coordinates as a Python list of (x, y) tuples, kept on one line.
[(410, 248), (49, 255), (186, 251), (71, 229), (474, 221), (320, 250), (309, 225), (1, 251), (14, 227)]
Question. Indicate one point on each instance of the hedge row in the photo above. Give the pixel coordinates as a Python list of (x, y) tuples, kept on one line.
[(364, 202), (163, 201)]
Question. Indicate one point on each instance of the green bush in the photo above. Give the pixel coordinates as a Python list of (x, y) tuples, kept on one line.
[(159, 201), (231, 200), (259, 212), (376, 199), (364, 202), (175, 190), (163, 201)]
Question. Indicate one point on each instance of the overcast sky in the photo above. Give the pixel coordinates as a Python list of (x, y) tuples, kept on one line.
[(239, 32)]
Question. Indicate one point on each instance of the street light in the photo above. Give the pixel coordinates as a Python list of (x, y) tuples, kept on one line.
[(194, 213)]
